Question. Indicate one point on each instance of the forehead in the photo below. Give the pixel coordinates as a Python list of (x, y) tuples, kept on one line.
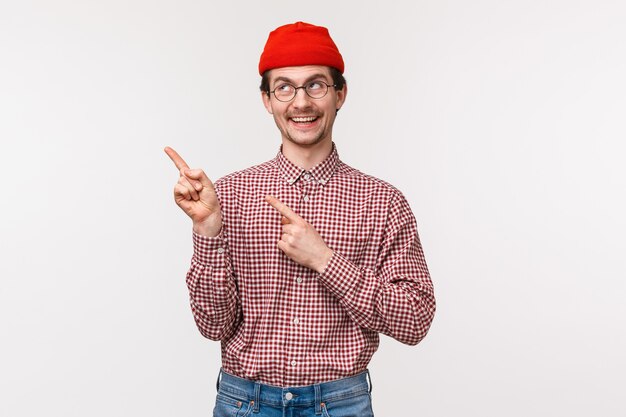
[(299, 74)]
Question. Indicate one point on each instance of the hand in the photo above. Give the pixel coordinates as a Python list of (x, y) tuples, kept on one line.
[(299, 240), (195, 194)]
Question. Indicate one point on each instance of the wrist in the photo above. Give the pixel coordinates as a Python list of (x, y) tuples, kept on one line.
[(324, 261), (208, 229)]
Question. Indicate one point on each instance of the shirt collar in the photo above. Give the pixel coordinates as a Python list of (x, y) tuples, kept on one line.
[(320, 173)]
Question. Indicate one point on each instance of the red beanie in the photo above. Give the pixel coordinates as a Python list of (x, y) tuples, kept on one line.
[(299, 44)]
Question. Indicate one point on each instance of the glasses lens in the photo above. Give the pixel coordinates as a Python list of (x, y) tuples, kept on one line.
[(285, 92), (316, 89)]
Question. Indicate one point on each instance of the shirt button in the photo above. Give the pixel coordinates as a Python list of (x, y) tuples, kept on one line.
[(307, 177), (296, 321), (289, 396), (220, 250), (299, 280), (305, 198), (294, 363)]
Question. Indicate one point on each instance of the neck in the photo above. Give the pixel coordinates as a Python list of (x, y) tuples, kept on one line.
[(307, 157)]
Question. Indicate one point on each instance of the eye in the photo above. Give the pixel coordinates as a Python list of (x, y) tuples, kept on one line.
[(314, 86), (284, 88)]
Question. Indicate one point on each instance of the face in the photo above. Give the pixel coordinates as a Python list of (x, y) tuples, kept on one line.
[(304, 121)]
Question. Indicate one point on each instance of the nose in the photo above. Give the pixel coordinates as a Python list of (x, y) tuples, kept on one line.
[(301, 99)]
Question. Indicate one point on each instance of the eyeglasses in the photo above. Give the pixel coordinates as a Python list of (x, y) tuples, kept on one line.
[(314, 89)]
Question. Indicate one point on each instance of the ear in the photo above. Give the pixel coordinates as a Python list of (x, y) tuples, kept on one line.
[(341, 96), (267, 102)]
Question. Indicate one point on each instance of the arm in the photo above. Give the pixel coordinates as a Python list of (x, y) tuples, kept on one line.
[(396, 298), (212, 290)]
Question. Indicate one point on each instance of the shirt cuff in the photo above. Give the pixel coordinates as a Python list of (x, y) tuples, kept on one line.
[(340, 275), (209, 250)]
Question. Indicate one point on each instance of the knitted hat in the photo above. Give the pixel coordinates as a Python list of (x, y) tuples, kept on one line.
[(299, 44)]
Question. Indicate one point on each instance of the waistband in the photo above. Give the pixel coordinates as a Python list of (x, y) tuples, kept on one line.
[(256, 393)]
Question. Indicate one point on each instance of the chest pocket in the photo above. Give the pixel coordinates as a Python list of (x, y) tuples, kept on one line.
[(352, 234), (352, 241), (351, 247)]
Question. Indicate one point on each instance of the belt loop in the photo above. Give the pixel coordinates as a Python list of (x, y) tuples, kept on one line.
[(318, 399), (369, 378), (257, 395), (217, 384)]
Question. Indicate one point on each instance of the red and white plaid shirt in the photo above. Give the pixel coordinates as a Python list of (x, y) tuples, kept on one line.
[(284, 324)]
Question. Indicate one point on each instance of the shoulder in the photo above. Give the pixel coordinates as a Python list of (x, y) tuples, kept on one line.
[(367, 182), (378, 191)]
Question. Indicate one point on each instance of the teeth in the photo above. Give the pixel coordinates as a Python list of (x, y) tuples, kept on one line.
[(303, 119)]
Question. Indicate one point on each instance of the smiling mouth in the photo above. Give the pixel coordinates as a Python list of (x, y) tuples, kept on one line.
[(303, 120)]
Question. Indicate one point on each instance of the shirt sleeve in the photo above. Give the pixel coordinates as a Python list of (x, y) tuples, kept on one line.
[(396, 298), (212, 290)]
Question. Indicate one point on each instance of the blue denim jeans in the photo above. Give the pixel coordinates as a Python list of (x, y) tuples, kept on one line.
[(347, 397)]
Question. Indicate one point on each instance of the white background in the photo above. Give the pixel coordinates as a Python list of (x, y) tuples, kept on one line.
[(503, 122)]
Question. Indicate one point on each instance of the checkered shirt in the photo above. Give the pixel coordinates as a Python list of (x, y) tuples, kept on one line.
[(283, 324)]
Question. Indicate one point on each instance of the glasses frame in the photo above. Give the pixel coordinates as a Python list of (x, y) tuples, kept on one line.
[(295, 90)]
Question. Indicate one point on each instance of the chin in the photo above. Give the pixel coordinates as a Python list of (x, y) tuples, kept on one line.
[(304, 138), (305, 141)]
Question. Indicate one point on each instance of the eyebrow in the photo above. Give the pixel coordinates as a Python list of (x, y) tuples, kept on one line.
[(290, 81)]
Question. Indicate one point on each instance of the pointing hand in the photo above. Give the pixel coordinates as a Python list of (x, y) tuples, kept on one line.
[(299, 240), (195, 195)]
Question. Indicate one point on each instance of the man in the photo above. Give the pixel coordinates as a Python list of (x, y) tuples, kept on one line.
[(300, 262)]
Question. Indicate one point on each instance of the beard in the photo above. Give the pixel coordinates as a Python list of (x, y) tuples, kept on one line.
[(310, 141)]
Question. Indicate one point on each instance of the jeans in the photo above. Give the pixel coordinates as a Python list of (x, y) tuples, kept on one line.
[(347, 397)]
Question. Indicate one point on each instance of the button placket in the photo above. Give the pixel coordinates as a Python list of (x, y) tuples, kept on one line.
[(306, 188)]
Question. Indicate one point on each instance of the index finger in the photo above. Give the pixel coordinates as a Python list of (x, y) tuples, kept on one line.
[(175, 157), (282, 208)]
